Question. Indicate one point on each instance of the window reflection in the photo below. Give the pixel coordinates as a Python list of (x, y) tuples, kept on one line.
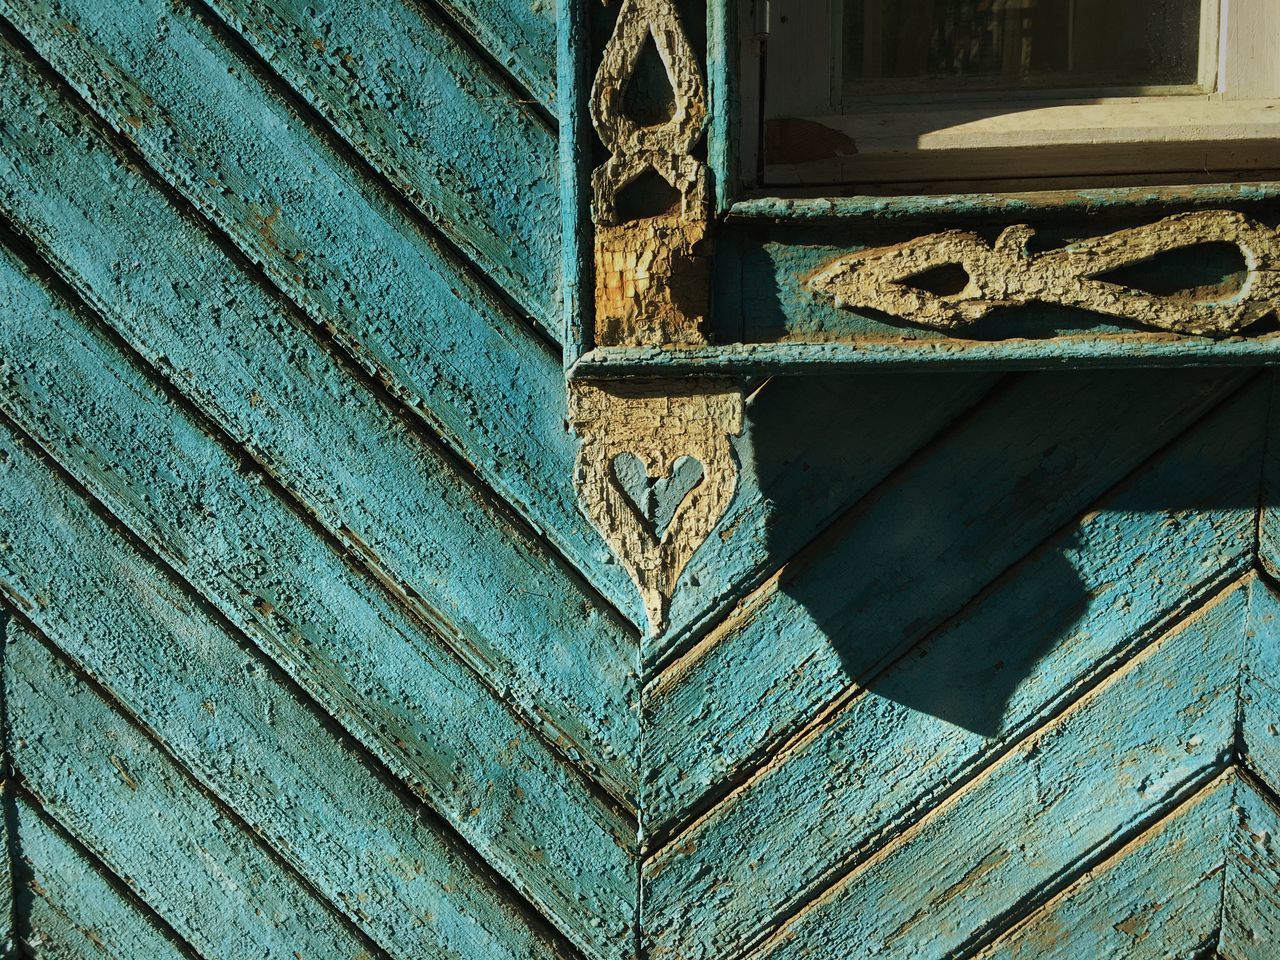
[(932, 45)]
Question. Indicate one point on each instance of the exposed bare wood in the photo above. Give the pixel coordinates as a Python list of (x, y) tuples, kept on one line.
[(1007, 273), (659, 424), (666, 147)]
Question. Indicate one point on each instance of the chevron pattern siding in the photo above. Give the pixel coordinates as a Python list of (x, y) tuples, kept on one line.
[(309, 652)]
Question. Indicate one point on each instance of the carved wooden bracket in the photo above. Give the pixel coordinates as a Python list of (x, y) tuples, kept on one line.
[(665, 148), (1006, 273), (656, 469), (655, 473)]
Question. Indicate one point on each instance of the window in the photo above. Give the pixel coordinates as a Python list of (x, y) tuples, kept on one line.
[(1077, 184), (912, 96)]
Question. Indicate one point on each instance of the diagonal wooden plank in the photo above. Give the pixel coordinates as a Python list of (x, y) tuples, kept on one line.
[(1269, 495), (394, 303), (798, 473), (1260, 728), (59, 938), (490, 587), (1076, 788), (991, 490), (1251, 903), (71, 910), (255, 746), (8, 840), (1031, 643), (549, 500), (419, 108), (499, 206), (1159, 896), (520, 35), (1260, 690), (101, 779), (415, 708), (583, 648)]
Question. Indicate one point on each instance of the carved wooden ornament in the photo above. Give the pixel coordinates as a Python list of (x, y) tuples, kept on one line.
[(1006, 273), (656, 468), (639, 441), (666, 147), (652, 277)]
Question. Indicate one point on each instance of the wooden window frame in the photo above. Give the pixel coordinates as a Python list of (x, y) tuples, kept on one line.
[(769, 243)]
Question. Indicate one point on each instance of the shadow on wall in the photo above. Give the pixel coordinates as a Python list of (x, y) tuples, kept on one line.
[(968, 526)]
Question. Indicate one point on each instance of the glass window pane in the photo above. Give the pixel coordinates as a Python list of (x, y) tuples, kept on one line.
[(945, 45)]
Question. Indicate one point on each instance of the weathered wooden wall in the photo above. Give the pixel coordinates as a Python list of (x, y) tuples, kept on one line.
[(310, 653)]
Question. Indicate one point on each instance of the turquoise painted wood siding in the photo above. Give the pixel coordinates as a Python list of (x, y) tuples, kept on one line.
[(308, 651)]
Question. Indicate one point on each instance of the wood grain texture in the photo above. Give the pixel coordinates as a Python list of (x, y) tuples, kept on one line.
[(415, 104), (106, 783), (1159, 896), (395, 304), (9, 890), (245, 736), (1076, 786), (827, 357), (798, 474), (1251, 901), (72, 909), (519, 35), (300, 415), (349, 645), (1260, 691), (834, 615), (940, 715)]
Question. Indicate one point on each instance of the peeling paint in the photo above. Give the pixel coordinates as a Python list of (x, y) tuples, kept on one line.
[(658, 423), (653, 289), (1007, 273)]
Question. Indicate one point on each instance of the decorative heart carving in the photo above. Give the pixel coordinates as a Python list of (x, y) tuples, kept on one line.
[(656, 499), (679, 429)]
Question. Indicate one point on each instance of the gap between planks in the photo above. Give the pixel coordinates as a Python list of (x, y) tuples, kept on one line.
[(108, 876), (442, 632), (453, 21), (1233, 771), (233, 816), (325, 131), (1222, 781), (1151, 635), (669, 671)]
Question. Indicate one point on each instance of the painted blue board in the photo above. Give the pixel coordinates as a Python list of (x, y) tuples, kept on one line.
[(310, 651)]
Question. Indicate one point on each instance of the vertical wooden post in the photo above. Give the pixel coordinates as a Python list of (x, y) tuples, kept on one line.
[(652, 285)]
